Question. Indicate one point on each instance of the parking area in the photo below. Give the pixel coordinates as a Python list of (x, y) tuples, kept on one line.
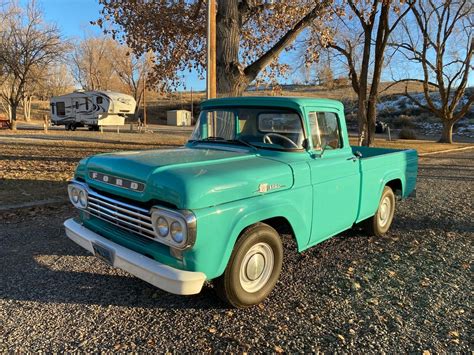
[(408, 291)]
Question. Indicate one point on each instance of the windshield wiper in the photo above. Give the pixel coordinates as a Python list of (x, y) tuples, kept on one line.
[(213, 138), (208, 139), (223, 140), (241, 141)]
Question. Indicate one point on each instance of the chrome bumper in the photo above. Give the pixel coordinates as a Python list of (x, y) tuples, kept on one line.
[(165, 277)]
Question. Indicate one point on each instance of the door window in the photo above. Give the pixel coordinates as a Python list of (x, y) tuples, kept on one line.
[(325, 130), (60, 108)]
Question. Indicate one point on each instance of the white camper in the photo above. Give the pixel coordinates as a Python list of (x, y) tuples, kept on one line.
[(91, 108)]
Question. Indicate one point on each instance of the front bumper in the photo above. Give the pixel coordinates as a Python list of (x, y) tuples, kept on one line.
[(165, 277)]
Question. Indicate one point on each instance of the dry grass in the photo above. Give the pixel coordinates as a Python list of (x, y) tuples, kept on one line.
[(36, 167)]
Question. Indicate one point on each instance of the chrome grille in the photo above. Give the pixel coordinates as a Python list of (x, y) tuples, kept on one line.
[(123, 215)]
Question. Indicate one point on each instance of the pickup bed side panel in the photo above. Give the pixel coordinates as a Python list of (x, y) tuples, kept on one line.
[(378, 170)]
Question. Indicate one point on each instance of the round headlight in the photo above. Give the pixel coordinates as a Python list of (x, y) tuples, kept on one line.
[(177, 232), (74, 195), (82, 199), (162, 226)]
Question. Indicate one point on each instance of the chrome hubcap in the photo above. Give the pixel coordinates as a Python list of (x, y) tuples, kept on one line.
[(384, 211), (256, 267)]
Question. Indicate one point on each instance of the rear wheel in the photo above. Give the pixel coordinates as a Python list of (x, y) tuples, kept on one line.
[(380, 223), (253, 269)]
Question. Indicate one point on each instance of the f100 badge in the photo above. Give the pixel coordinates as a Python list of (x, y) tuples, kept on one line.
[(267, 187), (116, 181)]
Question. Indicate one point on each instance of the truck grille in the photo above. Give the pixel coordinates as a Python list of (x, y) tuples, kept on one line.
[(123, 215)]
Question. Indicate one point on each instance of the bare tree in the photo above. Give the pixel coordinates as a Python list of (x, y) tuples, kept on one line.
[(361, 31), (57, 80), (442, 43), (251, 35), (92, 63), (26, 42), (132, 71)]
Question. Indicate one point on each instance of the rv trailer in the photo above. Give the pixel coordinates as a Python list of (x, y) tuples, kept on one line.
[(91, 108)]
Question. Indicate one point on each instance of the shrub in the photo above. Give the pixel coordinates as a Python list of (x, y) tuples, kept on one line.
[(407, 133), (403, 121)]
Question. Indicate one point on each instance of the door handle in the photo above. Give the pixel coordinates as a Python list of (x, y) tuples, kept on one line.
[(352, 158)]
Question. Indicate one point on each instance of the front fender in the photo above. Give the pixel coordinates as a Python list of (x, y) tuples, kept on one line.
[(220, 226)]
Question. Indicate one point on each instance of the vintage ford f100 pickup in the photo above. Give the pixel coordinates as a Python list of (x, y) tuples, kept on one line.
[(253, 169)]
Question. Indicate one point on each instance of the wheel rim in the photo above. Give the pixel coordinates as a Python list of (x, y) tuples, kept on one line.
[(384, 211), (256, 267)]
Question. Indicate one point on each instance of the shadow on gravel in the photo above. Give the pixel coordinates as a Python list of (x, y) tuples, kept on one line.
[(41, 264), (458, 178), (411, 223), (20, 193)]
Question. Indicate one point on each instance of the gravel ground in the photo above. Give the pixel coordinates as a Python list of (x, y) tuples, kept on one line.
[(410, 291)]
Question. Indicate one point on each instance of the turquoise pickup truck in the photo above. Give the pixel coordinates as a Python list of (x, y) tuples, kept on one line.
[(253, 169)]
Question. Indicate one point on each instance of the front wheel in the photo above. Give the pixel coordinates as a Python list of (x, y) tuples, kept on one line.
[(380, 223), (253, 269)]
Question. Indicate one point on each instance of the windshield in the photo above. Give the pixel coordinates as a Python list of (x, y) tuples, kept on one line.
[(259, 127)]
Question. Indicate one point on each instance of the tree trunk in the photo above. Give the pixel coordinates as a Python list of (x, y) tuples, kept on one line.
[(13, 117), (27, 108), (231, 80), (371, 116), (447, 134), (362, 119)]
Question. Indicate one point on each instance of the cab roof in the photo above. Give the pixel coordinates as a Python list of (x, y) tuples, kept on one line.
[(293, 102)]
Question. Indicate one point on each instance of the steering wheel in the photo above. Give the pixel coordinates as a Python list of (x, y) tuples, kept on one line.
[(267, 139)]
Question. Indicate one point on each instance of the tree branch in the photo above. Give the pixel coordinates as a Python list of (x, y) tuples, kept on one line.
[(253, 69)]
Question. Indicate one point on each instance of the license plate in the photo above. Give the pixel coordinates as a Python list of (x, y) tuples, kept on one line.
[(103, 253)]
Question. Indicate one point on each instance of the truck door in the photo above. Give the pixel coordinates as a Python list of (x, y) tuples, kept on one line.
[(335, 176)]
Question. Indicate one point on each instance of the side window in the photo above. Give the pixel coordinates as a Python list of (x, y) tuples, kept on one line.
[(87, 103), (77, 105), (325, 130), (313, 121), (52, 109), (60, 108), (99, 100)]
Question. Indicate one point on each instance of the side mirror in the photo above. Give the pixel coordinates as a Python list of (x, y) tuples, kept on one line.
[(305, 143)]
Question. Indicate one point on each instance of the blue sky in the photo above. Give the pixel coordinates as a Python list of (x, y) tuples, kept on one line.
[(73, 18)]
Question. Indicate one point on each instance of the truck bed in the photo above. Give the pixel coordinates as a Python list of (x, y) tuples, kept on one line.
[(381, 165)]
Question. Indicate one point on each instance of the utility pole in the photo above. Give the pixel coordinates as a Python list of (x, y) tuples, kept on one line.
[(144, 100), (211, 49), (192, 106)]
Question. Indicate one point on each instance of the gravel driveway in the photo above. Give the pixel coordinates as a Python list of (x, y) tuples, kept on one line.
[(407, 292)]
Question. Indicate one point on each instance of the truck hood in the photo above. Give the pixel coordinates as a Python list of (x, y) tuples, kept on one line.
[(188, 178)]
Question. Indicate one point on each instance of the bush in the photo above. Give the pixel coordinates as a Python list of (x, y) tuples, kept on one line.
[(403, 121), (407, 133)]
